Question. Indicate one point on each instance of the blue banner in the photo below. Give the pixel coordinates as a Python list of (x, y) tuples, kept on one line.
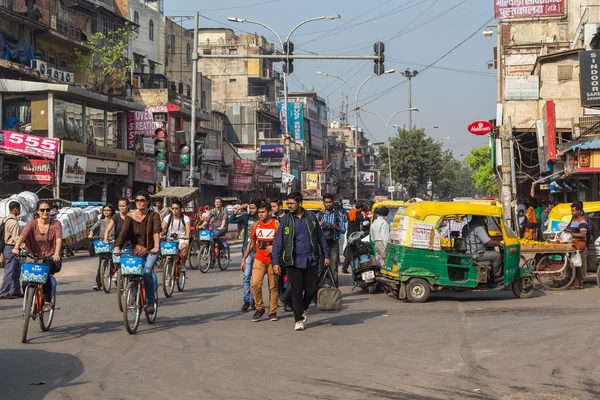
[(294, 118), (271, 150)]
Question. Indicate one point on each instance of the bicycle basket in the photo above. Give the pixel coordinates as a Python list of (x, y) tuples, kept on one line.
[(117, 258), (102, 248), (169, 248), (206, 235), (37, 273), (132, 266)]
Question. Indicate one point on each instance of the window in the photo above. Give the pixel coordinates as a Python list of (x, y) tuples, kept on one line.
[(136, 21), (188, 52), (173, 44), (151, 30), (188, 89), (206, 52), (232, 51), (565, 73), (232, 81)]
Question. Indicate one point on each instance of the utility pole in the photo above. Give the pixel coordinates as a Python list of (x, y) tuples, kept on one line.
[(194, 102), (506, 191), (410, 74)]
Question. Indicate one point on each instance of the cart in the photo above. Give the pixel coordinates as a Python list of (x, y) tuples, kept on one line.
[(550, 263)]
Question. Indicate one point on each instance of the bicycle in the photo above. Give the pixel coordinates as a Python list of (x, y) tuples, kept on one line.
[(169, 249), (121, 280), (36, 274), (209, 252), (132, 267), (106, 264)]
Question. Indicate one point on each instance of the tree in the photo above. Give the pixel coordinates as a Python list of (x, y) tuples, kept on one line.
[(106, 64), (483, 174)]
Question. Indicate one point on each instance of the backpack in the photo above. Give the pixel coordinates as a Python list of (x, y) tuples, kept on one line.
[(3, 234)]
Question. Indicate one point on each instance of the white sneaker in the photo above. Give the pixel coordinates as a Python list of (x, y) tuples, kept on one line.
[(299, 326), (305, 316)]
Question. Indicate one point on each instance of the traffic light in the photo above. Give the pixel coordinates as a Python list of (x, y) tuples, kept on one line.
[(379, 48), (161, 151), (184, 151), (288, 64)]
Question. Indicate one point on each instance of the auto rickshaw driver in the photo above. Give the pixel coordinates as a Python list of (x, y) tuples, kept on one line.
[(478, 242)]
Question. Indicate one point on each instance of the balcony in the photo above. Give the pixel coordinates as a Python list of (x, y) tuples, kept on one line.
[(157, 90)]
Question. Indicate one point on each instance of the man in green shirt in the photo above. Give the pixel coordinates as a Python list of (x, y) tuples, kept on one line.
[(246, 220)]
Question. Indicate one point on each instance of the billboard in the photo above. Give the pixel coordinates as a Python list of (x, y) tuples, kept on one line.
[(522, 87), (141, 123), (367, 178), (28, 145), (74, 169), (271, 150), (36, 172), (589, 78), (294, 117), (144, 171), (316, 136), (507, 9), (241, 183), (243, 166)]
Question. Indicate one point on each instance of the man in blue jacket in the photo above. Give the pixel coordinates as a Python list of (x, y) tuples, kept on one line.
[(298, 247)]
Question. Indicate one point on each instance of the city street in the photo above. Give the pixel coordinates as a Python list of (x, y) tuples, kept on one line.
[(455, 346)]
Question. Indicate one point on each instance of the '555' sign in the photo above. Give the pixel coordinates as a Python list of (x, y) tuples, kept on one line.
[(29, 145)]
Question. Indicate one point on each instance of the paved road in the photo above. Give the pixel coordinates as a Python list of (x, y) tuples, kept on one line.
[(456, 346)]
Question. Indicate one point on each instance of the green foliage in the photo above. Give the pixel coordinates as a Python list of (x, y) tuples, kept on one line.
[(105, 62), (416, 158), (483, 175)]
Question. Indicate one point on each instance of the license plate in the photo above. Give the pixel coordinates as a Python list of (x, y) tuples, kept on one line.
[(368, 275)]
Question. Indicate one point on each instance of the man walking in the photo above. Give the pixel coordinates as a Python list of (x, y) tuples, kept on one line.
[(334, 225), (380, 233), (285, 290), (246, 220), (12, 269), (219, 215), (262, 235), (298, 247), (578, 227), (355, 220)]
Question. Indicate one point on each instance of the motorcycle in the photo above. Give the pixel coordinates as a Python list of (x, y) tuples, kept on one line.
[(365, 268)]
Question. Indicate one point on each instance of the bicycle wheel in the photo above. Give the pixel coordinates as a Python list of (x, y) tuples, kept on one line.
[(180, 280), (132, 309), (152, 318), (120, 289), (193, 258), (105, 275), (224, 259), (28, 309), (47, 317), (544, 272), (204, 258), (169, 277)]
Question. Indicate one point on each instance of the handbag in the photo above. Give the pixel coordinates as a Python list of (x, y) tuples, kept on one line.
[(329, 298)]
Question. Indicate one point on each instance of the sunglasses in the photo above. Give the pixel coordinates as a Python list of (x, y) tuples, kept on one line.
[(140, 200), (44, 210), (174, 208)]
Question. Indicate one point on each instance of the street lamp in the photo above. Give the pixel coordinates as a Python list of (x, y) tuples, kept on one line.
[(387, 125), (356, 109), (432, 127), (287, 56)]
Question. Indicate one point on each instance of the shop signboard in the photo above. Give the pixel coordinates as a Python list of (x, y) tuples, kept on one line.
[(312, 181), (212, 154), (213, 175), (175, 162), (260, 169), (74, 169), (36, 172), (245, 167), (294, 117), (511, 9), (106, 167), (336, 160), (480, 128), (92, 151), (272, 150), (589, 78), (316, 136), (367, 178), (144, 145), (141, 123), (128, 192), (265, 179), (28, 145), (522, 87), (144, 171), (241, 183), (318, 165)]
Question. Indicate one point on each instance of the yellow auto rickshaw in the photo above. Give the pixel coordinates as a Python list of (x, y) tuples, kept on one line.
[(314, 204)]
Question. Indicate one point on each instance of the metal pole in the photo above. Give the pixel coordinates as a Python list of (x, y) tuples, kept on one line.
[(410, 125), (390, 165), (356, 148), (194, 101), (296, 57), (506, 190), (513, 170)]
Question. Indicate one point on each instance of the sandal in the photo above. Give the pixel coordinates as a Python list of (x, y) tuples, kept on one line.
[(47, 306)]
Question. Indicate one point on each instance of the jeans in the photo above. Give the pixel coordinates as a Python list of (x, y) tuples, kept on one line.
[(258, 275), (334, 258), (149, 279), (218, 234), (248, 278), (496, 259), (12, 273), (304, 288)]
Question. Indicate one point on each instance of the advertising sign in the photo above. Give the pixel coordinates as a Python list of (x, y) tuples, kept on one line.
[(211, 154), (271, 150), (106, 167), (367, 178), (589, 78), (336, 160), (506, 9), (92, 151), (175, 162), (144, 171), (243, 167), (74, 169), (213, 175), (265, 179), (141, 123), (144, 145), (480, 128), (312, 181), (316, 136), (522, 87), (319, 165), (28, 145), (549, 124), (241, 183), (260, 169), (36, 172), (295, 119)]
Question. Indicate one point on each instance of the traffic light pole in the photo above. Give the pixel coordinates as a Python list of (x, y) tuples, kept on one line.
[(194, 101)]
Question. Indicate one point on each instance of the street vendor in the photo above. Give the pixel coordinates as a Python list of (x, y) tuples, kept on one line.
[(578, 228), (478, 242)]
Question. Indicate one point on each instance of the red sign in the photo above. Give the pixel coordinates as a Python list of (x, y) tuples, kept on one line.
[(144, 171), (36, 172), (29, 145), (549, 120), (265, 179), (319, 165), (506, 9), (480, 128), (141, 123), (241, 183), (245, 167)]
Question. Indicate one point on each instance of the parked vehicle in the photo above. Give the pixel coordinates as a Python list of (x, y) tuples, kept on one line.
[(365, 268)]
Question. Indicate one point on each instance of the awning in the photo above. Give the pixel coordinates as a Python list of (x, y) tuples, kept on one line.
[(587, 145)]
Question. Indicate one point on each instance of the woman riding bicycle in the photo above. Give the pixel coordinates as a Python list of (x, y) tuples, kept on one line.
[(177, 226), (142, 229), (117, 221), (100, 229), (43, 238)]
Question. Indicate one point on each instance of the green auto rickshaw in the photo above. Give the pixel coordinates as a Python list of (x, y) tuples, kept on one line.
[(427, 252)]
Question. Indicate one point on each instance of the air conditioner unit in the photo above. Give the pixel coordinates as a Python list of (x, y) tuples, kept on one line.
[(585, 126), (55, 73), (69, 77), (39, 66)]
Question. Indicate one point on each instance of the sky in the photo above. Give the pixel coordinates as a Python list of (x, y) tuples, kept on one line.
[(452, 93)]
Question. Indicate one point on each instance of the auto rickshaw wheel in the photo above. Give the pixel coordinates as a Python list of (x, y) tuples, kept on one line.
[(417, 290), (523, 287)]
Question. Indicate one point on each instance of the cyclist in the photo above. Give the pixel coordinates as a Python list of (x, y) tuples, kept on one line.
[(100, 228), (118, 220), (43, 238), (142, 228), (177, 226), (220, 216)]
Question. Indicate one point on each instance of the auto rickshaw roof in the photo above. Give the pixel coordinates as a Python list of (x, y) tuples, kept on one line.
[(388, 204), (564, 209), (421, 210)]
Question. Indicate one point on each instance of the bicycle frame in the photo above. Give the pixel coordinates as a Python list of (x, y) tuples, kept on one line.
[(38, 301)]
